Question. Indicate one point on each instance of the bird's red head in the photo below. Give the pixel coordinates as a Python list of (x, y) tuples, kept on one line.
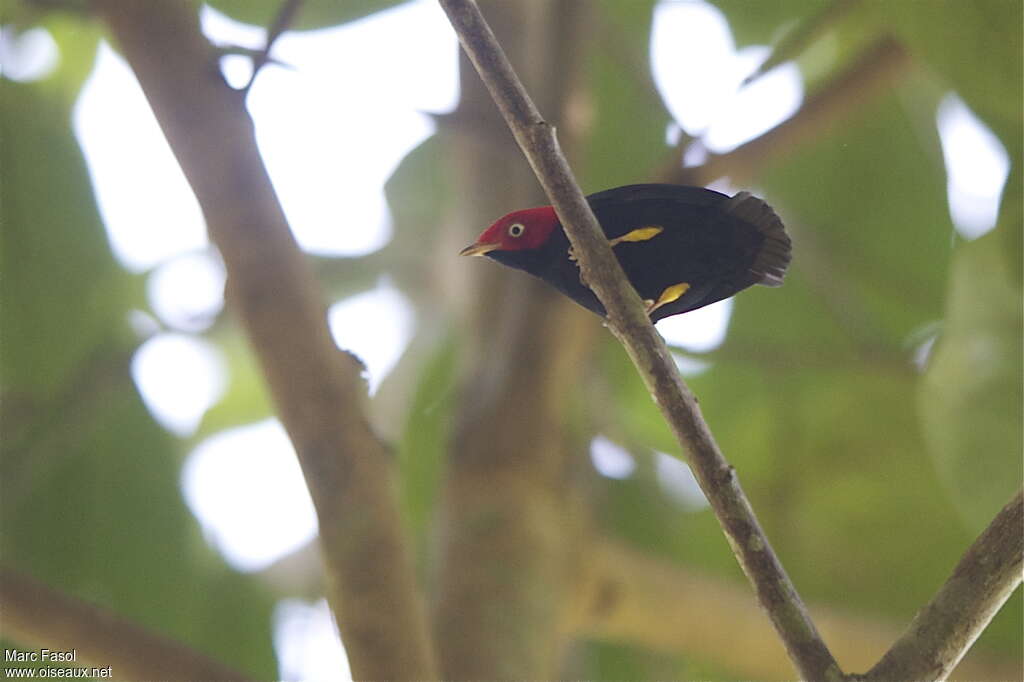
[(529, 228)]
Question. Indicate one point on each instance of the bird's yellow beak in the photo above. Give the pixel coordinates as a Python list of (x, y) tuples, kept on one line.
[(478, 249)]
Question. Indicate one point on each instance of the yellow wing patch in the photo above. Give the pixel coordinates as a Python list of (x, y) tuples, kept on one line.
[(670, 294), (641, 234)]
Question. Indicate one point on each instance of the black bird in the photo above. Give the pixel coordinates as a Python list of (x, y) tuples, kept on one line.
[(682, 248)]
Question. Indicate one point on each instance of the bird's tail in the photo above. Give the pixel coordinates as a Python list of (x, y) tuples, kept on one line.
[(769, 266)]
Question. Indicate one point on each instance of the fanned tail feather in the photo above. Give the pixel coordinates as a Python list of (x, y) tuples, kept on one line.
[(773, 258)]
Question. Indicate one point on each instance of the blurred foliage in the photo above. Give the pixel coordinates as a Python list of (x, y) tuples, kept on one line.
[(312, 14), (971, 398), (623, 102), (870, 475), (89, 496), (944, 32), (424, 440)]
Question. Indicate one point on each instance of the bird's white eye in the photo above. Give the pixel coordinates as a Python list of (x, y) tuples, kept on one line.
[(516, 230)]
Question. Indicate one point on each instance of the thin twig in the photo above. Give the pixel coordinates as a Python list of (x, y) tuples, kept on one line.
[(629, 322), (318, 390), (944, 630), (36, 615), (285, 17)]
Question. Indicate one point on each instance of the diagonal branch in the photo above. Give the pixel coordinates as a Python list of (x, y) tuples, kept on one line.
[(943, 631), (317, 389), (646, 348), (37, 615)]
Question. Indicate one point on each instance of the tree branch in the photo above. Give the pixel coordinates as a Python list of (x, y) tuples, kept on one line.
[(37, 615), (629, 322), (282, 20), (318, 390), (943, 631)]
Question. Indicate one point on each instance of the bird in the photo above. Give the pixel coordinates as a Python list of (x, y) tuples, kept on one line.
[(681, 247)]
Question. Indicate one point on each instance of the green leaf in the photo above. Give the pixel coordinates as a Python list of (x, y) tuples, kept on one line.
[(417, 194), (424, 443), (971, 400), (418, 189), (246, 399)]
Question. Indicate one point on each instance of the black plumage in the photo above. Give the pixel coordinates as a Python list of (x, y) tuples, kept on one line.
[(709, 244)]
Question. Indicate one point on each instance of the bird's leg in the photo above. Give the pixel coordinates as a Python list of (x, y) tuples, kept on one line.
[(672, 293)]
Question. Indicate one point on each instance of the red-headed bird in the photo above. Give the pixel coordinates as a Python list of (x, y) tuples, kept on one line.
[(680, 247)]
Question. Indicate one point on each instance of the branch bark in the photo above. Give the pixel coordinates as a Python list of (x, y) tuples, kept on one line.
[(318, 390), (943, 631), (37, 615), (646, 348)]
